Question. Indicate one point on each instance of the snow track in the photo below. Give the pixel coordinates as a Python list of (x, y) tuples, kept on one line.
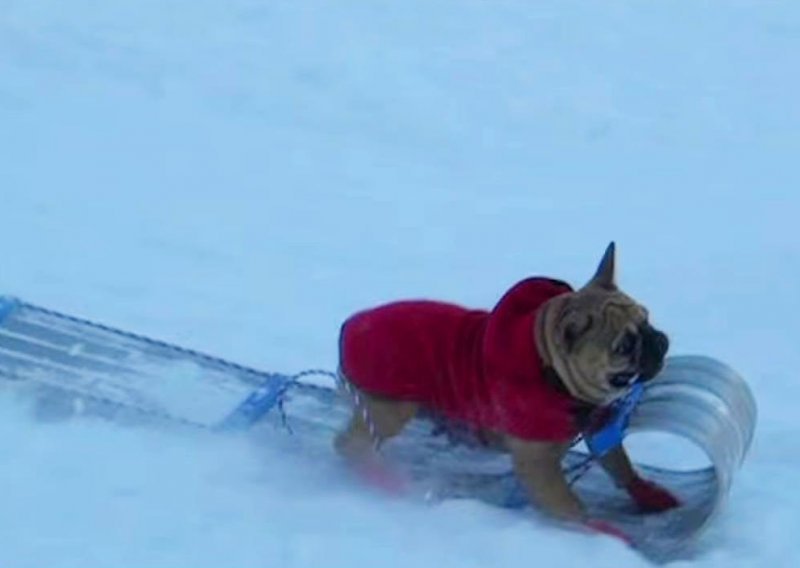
[(76, 366)]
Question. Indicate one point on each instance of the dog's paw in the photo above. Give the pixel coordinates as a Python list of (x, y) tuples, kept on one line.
[(606, 528), (650, 497), (378, 475)]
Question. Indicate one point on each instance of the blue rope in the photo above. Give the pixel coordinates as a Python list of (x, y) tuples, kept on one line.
[(7, 306), (271, 394), (608, 436)]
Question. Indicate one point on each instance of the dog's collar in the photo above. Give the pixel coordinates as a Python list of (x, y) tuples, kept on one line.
[(581, 411), (553, 379)]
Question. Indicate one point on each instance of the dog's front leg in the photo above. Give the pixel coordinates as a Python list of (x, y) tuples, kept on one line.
[(538, 467), (649, 496), (618, 466)]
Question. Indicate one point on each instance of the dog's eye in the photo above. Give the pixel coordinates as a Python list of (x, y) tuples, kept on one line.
[(627, 345), (572, 332)]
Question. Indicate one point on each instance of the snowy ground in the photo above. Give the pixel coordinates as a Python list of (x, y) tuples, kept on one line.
[(239, 176)]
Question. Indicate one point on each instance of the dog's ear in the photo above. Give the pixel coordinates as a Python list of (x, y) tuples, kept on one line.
[(605, 277)]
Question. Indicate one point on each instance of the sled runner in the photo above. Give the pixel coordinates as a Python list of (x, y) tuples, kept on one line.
[(70, 365)]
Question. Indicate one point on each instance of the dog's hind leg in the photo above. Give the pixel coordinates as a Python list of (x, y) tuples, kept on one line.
[(374, 420), (355, 441)]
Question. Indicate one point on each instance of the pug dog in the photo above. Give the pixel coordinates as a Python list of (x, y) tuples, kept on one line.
[(523, 376)]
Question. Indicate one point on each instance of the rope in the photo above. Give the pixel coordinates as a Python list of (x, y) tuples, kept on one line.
[(292, 381), (607, 422), (261, 378), (315, 372), (578, 470), (355, 395)]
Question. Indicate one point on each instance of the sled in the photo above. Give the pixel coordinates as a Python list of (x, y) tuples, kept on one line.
[(71, 366)]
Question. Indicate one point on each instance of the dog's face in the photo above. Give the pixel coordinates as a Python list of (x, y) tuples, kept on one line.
[(599, 339)]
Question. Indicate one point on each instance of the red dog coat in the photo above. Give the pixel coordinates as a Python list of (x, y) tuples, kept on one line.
[(474, 367)]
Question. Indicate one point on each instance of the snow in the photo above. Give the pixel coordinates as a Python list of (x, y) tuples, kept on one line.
[(239, 176)]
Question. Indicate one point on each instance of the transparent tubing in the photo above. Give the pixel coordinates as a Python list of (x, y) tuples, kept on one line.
[(706, 402)]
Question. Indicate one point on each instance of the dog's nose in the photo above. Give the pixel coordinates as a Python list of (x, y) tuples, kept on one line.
[(661, 343), (655, 345)]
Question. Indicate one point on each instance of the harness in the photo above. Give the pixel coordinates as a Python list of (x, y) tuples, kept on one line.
[(600, 441), (604, 430)]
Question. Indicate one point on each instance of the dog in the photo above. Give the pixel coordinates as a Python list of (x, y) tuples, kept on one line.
[(525, 376)]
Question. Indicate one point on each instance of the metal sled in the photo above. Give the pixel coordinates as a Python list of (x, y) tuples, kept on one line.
[(71, 366)]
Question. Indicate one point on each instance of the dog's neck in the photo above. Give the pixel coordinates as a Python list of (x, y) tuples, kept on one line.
[(582, 411), (545, 317), (553, 370)]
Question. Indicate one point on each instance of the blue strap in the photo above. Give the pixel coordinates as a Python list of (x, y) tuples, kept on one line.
[(271, 394), (611, 434), (7, 306), (259, 403)]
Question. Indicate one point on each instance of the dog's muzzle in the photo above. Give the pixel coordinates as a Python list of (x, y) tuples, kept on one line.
[(655, 345)]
